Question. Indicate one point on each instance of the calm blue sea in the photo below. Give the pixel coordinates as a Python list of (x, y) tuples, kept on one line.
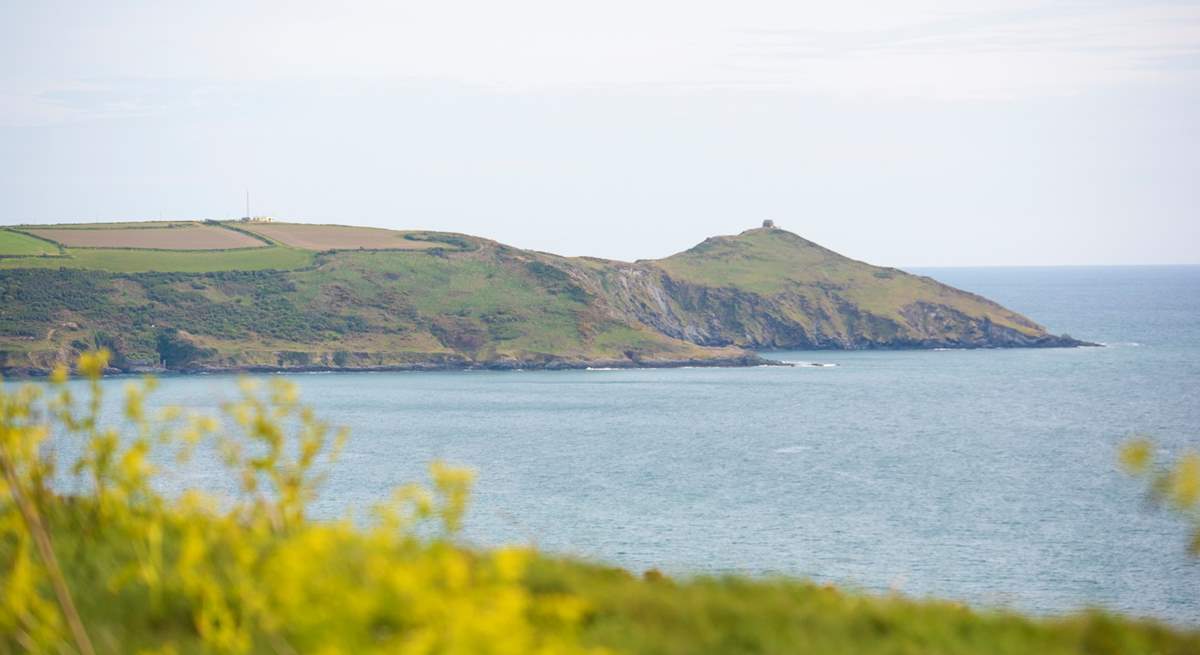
[(985, 476)]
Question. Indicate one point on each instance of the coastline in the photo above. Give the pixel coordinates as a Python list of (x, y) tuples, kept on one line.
[(747, 359), (740, 361)]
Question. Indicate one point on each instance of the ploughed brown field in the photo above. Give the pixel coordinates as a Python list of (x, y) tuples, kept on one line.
[(193, 236), (337, 237)]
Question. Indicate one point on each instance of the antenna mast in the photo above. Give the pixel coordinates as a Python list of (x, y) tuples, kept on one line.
[(247, 203)]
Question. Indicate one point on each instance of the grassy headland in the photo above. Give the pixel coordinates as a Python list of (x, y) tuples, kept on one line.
[(436, 300)]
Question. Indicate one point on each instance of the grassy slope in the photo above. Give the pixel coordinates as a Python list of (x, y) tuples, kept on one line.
[(481, 304), (773, 261), (131, 260), (356, 308)]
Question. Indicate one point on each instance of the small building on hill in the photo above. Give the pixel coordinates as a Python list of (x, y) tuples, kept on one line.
[(256, 219), (768, 223)]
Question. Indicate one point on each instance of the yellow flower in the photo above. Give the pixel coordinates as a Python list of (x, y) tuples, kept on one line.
[(92, 364), (1135, 455), (250, 571), (1184, 487), (510, 563)]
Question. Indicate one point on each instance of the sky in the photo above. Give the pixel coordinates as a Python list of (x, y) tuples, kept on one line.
[(900, 132)]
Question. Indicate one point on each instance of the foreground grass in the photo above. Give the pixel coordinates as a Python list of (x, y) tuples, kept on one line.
[(343, 594), (613, 611), (738, 615), (118, 568)]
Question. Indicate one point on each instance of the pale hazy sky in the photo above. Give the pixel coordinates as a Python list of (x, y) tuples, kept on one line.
[(902, 132)]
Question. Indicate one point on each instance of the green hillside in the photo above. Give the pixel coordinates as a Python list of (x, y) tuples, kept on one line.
[(453, 300)]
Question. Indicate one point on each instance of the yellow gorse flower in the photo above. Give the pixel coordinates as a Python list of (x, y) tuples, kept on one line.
[(247, 573), (1135, 456), (1175, 484), (1184, 488)]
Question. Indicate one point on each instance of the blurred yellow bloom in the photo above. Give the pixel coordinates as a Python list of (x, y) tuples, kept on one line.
[(510, 563), (92, 364), (1176, 484), (1184, 489), (1135, 455), (249, 572)]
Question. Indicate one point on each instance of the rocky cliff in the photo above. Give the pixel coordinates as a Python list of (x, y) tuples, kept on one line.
[(768, 288)]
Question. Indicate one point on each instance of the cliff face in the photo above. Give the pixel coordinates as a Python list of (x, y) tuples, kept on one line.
[(803, 318), (489, 305), (769, 288)]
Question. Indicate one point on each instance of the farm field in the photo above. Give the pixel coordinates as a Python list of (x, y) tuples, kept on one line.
[(132, 225), (15, 244), (129, 260), (337, 237), (188, 236)]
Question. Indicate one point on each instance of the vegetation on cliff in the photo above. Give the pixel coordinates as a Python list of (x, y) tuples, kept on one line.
[(431, 300), (116, 566)]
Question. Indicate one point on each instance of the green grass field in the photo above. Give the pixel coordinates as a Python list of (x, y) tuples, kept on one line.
[(132, 260), (18, 245)]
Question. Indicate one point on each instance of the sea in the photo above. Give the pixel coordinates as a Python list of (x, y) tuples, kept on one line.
[(983, 476)]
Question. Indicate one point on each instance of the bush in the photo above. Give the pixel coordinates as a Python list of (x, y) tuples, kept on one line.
[(123, 568)]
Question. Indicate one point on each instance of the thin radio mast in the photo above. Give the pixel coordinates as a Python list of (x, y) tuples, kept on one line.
[(247, 203)]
